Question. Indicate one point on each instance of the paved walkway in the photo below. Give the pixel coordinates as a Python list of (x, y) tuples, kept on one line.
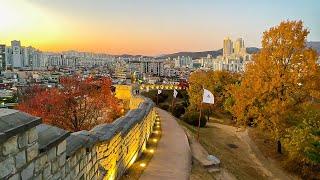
[(172, 158)]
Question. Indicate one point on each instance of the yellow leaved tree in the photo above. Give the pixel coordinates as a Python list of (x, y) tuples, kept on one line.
[(214, 81), (283, 77)]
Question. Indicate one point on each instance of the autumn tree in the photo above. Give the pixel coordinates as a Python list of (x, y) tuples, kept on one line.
[(302, 142), (216, 82), (283, 77), (77, 105)]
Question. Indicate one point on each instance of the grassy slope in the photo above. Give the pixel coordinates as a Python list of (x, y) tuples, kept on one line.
[(235, 161)]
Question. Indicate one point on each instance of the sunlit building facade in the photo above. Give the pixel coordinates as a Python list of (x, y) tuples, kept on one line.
[(227, 47)]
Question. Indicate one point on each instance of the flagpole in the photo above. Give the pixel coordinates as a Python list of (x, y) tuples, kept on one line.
[(198, 136), (198, 133), (172, 103), (157, 97)]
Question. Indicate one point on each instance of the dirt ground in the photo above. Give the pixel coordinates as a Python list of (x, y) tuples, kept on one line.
[(240, 157)]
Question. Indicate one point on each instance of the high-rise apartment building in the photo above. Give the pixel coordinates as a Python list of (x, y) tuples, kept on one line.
[(16, 54), (2, 57), (183, 62), (238, 46), (227, 47)]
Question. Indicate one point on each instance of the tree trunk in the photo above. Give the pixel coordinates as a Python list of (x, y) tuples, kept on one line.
[(279, 147)]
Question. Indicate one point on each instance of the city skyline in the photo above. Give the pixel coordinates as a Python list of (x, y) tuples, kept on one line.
[(147, 28)]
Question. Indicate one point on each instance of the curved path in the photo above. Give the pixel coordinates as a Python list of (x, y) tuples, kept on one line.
[(267, 166), (172, 158)]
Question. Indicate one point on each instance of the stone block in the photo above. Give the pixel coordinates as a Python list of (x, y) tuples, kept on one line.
[(63, 171), (73, 161), (54, 166), (41, 162), (21, 159), (15, 177), (62, 147), (32, 152), (47, 171), (56, 176), (88, 166), (10, 146), (32, 135), (62, 159), (94, 158), (89, 155), (68, 165), (96, 167), (22, 140), (68, 177), (38, 177), (81, 164), (52, 154), (79, 155), (7, 167), (76, 169), (27, 173)]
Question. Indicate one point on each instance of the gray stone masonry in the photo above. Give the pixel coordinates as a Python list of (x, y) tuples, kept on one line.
[(31, 150), (27, 173)]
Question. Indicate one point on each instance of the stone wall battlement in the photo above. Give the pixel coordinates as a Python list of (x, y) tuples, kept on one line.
[(32, 150)]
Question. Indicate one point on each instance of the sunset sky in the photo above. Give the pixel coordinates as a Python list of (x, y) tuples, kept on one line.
[(149, 27)]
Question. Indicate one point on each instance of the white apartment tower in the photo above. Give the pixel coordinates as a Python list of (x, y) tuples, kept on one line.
[(238, 46), (16, 54), (227, 47)]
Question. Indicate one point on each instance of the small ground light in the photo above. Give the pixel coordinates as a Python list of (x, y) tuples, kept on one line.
[(154, 140), (151, 150), (156, 132), (158, 126), (143, 164)]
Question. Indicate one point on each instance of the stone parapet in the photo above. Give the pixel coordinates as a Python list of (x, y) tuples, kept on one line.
[(31, 150)]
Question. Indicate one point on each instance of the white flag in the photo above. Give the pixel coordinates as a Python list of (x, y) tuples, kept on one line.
[(207, 97), (159, 91), (175, 93)]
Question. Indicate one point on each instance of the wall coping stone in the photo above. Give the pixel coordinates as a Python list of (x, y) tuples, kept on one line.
[(80, 139), (105, 132), (13, 122), (50, 136)]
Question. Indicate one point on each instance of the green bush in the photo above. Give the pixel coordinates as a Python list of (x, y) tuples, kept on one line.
[(302, 143), (178, 110), (153, 96), (192, 118), (162, 97), (164, 106)]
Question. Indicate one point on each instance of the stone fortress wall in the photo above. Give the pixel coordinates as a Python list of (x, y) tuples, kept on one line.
[(32, 150)]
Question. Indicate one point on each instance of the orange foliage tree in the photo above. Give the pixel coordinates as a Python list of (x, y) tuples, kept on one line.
[(215, 81), (79, 104), (283, 77)]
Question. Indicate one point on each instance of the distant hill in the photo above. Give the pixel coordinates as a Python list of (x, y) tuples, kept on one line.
[(130, 56), (252, 50), (315, 45), (195, 55)]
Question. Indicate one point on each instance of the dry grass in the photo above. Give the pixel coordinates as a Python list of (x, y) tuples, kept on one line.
[(199, 173), (235, 161), (266, 145)]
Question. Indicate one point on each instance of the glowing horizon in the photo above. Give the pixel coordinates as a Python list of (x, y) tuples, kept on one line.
[(146, 27)]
